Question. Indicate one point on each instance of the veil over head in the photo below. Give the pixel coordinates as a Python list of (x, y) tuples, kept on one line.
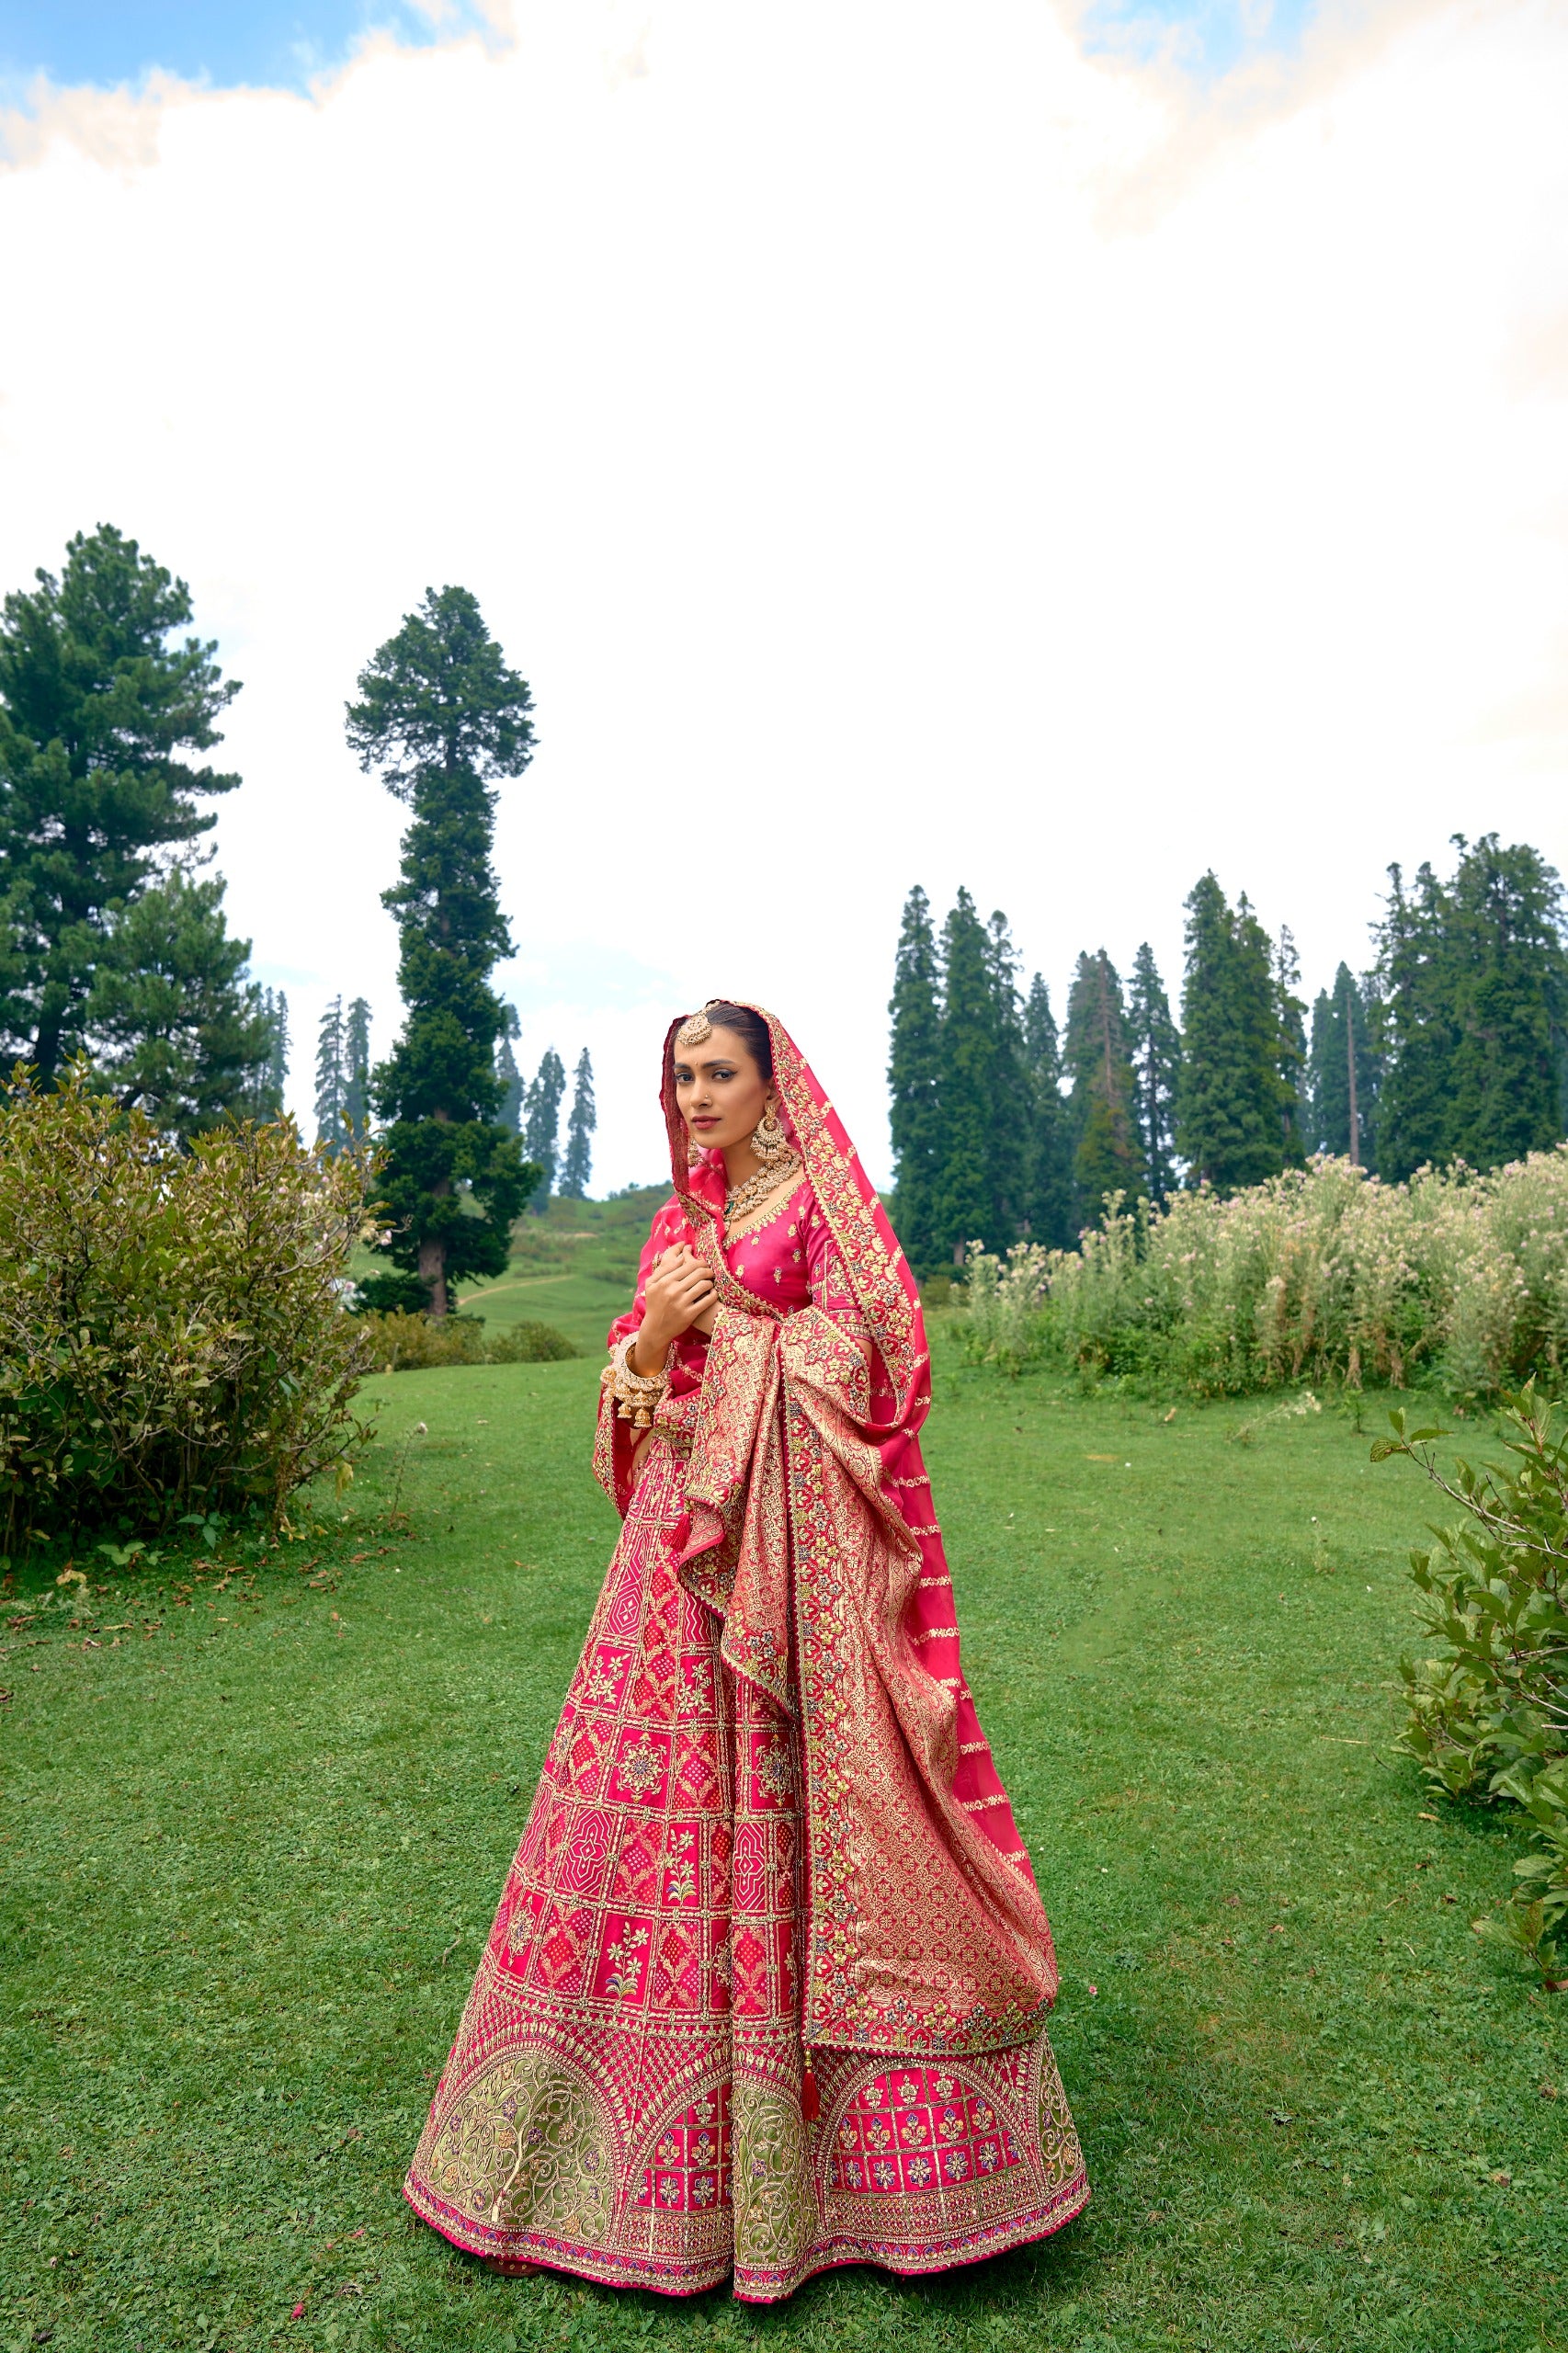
[(880, 1274)]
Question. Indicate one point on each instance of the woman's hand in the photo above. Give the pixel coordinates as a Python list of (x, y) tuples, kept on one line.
[(680, 1290)]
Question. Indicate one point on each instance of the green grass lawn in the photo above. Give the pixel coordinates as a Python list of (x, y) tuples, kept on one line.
[(256, 1826)]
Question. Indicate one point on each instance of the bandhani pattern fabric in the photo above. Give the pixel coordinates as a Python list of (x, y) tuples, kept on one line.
[(768, 1831)]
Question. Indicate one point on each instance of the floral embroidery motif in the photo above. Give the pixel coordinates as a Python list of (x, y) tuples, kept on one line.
[(773, 1769), (680, 1883), (640, 1767), (625, 1976)]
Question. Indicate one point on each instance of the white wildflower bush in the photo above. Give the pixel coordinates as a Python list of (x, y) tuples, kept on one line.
[(1324, 1275)]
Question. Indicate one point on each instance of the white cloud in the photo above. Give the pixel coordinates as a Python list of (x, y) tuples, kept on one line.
[(894, 446)]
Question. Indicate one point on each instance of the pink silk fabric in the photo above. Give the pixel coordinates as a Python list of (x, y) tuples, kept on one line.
[(812, 1529)]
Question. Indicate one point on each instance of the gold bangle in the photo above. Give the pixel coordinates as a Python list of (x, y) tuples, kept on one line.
[(637, 1394)]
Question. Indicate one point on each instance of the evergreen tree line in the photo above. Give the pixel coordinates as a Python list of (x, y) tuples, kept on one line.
[(533, 1110), (1006, 1125)]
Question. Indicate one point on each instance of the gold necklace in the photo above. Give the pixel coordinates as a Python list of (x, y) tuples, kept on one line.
[(755, 1190)]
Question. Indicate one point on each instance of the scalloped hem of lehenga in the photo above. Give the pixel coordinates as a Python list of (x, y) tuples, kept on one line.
[(752, 2287)]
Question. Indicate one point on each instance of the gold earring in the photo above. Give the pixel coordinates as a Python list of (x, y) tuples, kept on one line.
[(768, 1139), (693, 1153)]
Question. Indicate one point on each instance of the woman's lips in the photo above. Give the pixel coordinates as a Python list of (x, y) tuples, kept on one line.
[(705, 1123)]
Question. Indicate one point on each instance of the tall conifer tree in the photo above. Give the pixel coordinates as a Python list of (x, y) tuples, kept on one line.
[(331, 1126), (1050, 1159), (1290, 1048), (176, 1027), (277, 1008), (1154, 1048), (1012, 1105), (509, 1076), (577, 1166), (913, 1072), (97, 702), (357, 1070), (1342, 1073), (965, 1198), (1231, 1099), (541, 1122), (442, 717), (1107, 1156)]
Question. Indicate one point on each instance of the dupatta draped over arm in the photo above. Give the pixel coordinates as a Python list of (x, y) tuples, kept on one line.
[(810, 1533)]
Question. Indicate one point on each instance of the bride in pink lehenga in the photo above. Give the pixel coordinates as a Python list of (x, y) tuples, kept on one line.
[(767, 1991)]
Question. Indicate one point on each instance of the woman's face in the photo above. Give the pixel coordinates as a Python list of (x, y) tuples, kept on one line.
[(720, 1091)]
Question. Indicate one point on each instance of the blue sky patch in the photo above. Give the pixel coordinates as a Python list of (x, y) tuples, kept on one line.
[(1207, 36), (225, 42)]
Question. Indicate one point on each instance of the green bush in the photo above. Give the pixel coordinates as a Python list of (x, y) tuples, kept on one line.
[(400, 1342), (172, 1340), (1489, 1714), (1322, 1275), (529, 1344)]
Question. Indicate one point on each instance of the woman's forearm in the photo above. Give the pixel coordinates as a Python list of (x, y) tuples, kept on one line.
[(647, 1357)]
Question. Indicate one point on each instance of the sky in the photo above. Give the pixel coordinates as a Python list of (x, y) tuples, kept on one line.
[(1050, 449)]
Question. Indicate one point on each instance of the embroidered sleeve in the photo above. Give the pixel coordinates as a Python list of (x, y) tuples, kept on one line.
[(829, 1283), (615, 1440)]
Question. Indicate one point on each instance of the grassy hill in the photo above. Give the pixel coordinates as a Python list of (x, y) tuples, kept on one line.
[(257, 1820)]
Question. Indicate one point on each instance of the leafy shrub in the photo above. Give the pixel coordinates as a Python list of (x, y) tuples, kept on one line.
[(1321, 1275), (529, 1344), (400, 1342), (171, 1338), (1489, 1716)]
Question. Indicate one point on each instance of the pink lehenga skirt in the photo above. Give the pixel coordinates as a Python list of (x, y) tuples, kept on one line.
[(626, 2098)]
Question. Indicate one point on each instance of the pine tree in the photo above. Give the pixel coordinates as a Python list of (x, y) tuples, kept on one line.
[(1342, 1086), (1512, 1003), (508, 1077), (357, 1070), (1417, 1030), (331, 1127), (441, 716), (914, 1066), (1050, 1157), (173, 1025), (277, 1007), (1290, 1052), (1231, 1100), (1107, 1156), (1154, 1046), (1472, 1002), (579, 1163), (541, 1123), (1012, 1108), (966, 1095), (96, 705)]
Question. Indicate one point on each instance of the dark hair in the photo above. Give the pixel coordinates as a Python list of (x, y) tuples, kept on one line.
[(749, 1027)]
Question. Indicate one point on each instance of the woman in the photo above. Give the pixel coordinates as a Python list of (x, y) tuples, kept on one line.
[(767, 1990)]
